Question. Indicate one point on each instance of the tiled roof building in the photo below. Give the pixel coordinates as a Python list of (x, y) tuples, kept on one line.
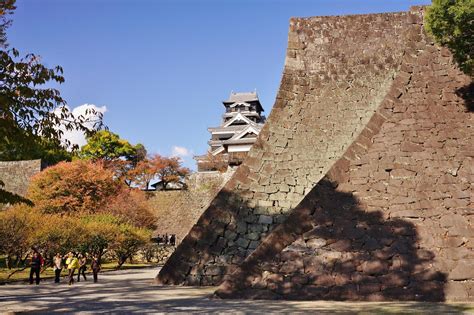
[(240, 126)]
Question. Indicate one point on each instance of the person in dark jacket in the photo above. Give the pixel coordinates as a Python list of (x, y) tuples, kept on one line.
[(35, 267), (95, 266), (82, 267)]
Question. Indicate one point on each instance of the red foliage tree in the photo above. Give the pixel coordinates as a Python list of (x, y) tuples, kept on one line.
[(131, 205), (165, 169), (73, 187)]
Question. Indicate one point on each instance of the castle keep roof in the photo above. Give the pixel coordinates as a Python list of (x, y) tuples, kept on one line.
[(240, 125)]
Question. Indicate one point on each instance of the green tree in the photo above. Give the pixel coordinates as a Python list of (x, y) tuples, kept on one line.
[(108, 146), (30, 109), (116, 153), (102, 231), (31, 114), (451, 22), (130, 240)]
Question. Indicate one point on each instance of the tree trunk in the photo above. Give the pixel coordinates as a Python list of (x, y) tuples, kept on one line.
[(122, 260)]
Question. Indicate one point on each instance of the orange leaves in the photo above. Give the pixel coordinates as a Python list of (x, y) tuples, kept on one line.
[(68, 187), (157, 167), (132, 206)]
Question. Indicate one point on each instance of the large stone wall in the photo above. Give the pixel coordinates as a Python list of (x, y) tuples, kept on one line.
[(337, 72), (178, 210), (16, 175), (359, 185), (393, 218)]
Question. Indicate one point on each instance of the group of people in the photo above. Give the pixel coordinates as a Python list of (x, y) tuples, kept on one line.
[(166, 239), (72, 262)]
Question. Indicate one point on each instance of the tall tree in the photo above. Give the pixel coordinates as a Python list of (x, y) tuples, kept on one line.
[(30, 114), (143, 173), (451, 22), (170, 170), (30, 110), (166, 169), (108, 146)]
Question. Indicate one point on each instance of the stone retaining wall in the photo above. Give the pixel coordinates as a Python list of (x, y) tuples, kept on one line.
[(177, 211), (393, 218), (337, 72), (16, 175)]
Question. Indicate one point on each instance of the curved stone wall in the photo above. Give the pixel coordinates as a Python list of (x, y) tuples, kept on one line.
[(337, 72), (393, 218)]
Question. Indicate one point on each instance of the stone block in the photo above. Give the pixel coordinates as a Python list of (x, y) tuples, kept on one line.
[(463, 270), (374, 267), (242, 242), (265, 219), (213, 271), (456, 291), (265, 203)]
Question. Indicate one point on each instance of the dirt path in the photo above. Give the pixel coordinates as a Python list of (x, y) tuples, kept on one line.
[(131, 291)]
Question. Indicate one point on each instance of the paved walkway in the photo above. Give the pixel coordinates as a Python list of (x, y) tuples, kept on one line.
[(131, 291)]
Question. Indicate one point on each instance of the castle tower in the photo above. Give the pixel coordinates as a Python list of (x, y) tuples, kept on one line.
[(240, 126)]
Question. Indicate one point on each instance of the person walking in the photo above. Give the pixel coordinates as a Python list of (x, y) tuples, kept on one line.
[(72, 264), (82, 267), (35, 267), (58, 267), (95, 266)]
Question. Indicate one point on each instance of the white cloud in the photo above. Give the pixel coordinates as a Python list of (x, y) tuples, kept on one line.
[(180, 151), (77, 136)]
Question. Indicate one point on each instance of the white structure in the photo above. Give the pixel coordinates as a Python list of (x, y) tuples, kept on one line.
[(241, 124)]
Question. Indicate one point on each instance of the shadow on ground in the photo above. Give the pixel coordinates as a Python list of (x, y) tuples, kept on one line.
[(133, 293)]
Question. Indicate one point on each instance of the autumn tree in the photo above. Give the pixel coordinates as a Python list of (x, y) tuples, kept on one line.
[(16, 232), (58, 234), (165, 169), (170, 170), (213, 162), (143, 173), (131, 206), (451, 22), (73, 187)]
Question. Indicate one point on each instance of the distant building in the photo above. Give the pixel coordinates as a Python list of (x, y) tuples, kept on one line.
[(240, 126), (170, 186)]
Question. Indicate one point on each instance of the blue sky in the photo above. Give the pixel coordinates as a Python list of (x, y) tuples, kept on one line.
[(161, 67)]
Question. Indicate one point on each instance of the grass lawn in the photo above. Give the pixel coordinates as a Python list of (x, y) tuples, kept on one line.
[(49, 272)]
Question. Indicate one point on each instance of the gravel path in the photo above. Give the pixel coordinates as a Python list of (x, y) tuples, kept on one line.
[(132, 291)]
